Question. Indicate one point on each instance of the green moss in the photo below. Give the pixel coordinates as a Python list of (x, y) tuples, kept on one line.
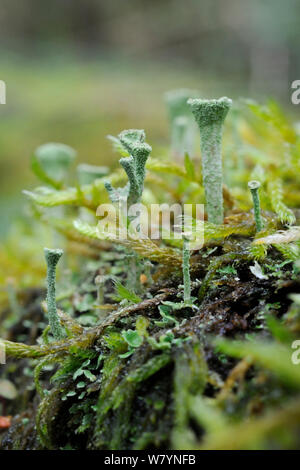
[(153, 371)]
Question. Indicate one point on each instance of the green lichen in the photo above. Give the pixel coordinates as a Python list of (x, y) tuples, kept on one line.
[(133, 140), (210, 116), (254, 187), (186, 270), (128, 371), (181, 121), (52, 258)]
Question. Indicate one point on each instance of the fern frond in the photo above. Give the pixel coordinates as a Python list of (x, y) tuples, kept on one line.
[(275, 193)]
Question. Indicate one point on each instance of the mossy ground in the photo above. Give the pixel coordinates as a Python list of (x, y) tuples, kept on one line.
[(138, 368), (146, 400)]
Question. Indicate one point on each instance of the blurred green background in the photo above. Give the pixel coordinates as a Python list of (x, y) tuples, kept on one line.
[(78, 70)]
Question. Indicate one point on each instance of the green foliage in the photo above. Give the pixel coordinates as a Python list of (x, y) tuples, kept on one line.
[(271, 114), (167, 318), (130, 361), (51, 163), (87, 174), (133, 339), (275, 192), (125, 293), (143, 246), (272, 356)]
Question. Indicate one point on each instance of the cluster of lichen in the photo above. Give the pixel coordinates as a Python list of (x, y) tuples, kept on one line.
[(138, 362)]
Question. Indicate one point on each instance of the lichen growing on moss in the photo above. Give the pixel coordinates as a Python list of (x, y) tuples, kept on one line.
[(200, 356)]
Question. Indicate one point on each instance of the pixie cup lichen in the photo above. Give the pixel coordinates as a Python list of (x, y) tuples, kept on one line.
[(182, 126), (210, 116), (133, 141), (186, 270), (181, 141), (52, 258), (254, 187)]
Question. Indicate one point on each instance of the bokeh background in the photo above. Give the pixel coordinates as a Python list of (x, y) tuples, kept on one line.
[(77, 70)]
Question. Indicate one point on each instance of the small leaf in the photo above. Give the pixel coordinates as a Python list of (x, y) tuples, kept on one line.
[(80, 385), (55, 159), (89, 375), (77, 374), (127, 354), (141, 325), (165, 310), (132, 338), (86, 363), (227, 270), (125, 293), (42, 175)]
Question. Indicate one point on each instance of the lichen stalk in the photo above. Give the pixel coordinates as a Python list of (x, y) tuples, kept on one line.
[(186, 271), (254, 187), (52, 258), (210, 116), (182, 126)]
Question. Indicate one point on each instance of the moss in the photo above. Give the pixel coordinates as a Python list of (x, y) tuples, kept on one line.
[(148, 371)]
